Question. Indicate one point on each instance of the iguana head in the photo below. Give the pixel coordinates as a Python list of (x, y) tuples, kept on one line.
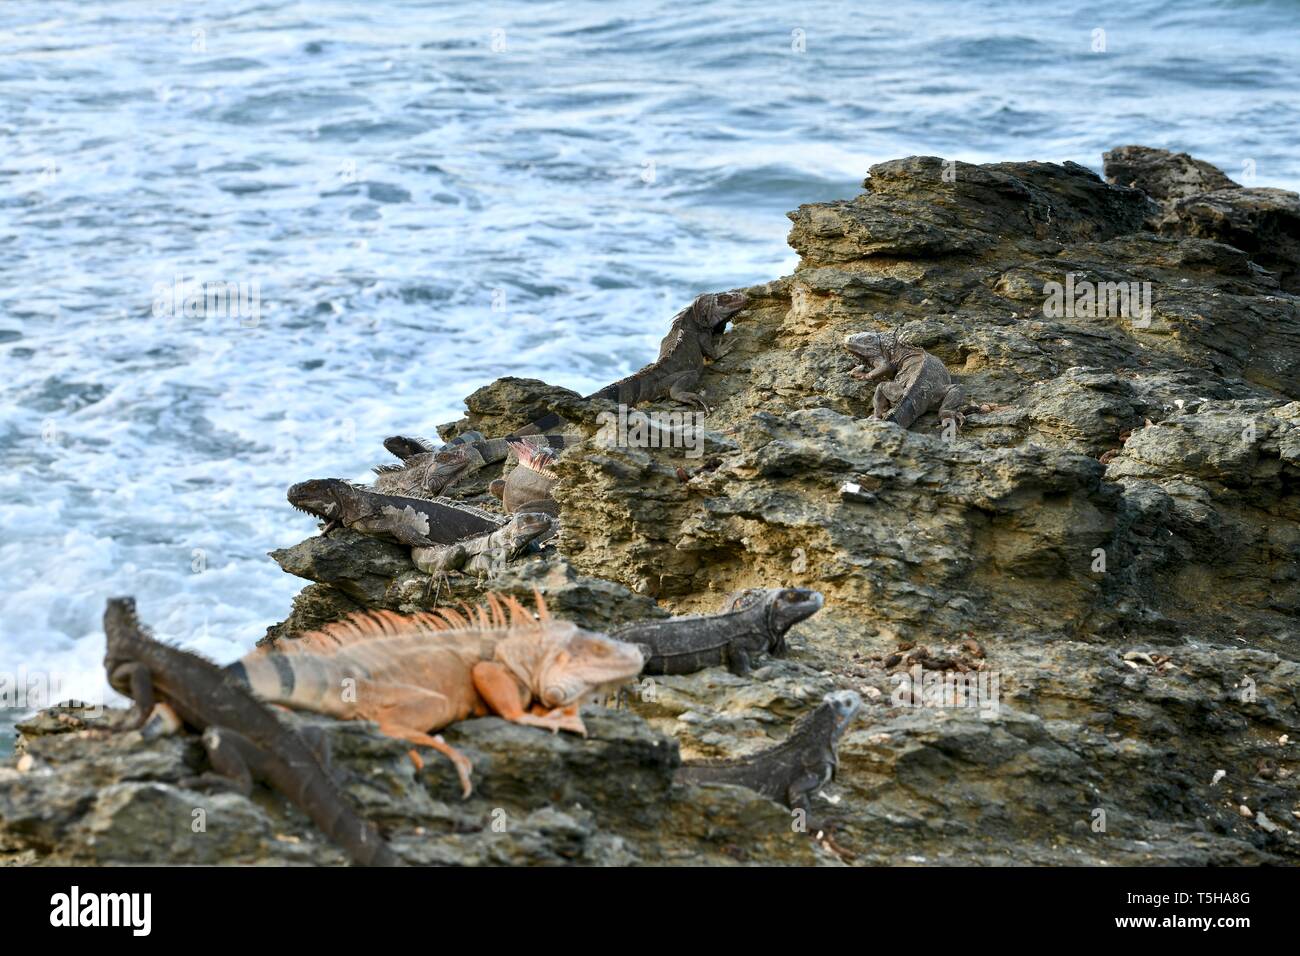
[(844, 705), (786, 607), (525, 528), (870, 348), (123, 632), (404, 446), (586, 664), (437, 470), (712, 311), (783, 608), (330, 499), (569, 665)]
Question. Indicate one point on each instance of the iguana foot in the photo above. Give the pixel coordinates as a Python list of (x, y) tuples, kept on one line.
[(562, 718), (859, 372), (957, 418), (458, 759), (161, 722)]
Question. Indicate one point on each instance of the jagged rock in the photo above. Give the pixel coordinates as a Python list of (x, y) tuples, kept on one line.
[(1162, 175), (1198, 200), (103, 795), (353, 570)]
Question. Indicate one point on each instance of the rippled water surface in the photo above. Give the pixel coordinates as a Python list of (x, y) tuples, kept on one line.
[(427, 196)]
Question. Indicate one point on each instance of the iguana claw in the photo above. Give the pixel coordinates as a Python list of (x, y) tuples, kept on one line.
[(556, 721)]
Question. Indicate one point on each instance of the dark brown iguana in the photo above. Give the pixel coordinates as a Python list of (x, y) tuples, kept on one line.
[(243, 737), (428, 472), (795, 769), (528, 486), (486, 554), (414, 522), (750, 623), (418, 673), (695, 334), (919, 383)]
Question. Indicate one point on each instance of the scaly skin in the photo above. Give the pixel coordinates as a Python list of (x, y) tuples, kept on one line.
[(414, 522), (795, 769), (750, 623), (416, 674), (429, 472), (918, 380), (486, 554), (528, 487), (243, 737), (695, 334)]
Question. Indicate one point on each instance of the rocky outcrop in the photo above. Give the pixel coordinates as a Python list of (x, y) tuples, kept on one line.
[(1072, 622), (83, 791), (1198, 200)]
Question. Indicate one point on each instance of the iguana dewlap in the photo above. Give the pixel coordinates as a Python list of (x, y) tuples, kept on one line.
[(419, 673), (916, 381)]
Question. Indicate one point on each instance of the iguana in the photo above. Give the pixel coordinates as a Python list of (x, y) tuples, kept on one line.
[(406, 446), (695, 335), (243, 737), (418, 673), (486, 553), (528, 486), (414, 522), (919, 381), (749, 624), (426, 472), (797, 767)]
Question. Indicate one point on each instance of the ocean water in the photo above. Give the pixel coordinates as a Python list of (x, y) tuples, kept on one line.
[(413, 199)]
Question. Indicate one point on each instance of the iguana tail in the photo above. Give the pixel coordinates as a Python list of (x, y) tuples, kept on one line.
[(548, 422), (312, 789)]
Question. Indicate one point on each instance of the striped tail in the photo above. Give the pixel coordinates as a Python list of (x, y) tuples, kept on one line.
[(298, 681)]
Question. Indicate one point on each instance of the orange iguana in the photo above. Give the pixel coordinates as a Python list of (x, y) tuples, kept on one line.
[(418, 673)]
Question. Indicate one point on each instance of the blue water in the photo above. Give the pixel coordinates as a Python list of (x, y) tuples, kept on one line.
[(429, 196)]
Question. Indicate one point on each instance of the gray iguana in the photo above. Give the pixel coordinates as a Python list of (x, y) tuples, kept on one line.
[(750, 623), (486, 554), (797, 767), (414, 522), (918, 382), (427, 472), (695, 334), (244, 738)]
